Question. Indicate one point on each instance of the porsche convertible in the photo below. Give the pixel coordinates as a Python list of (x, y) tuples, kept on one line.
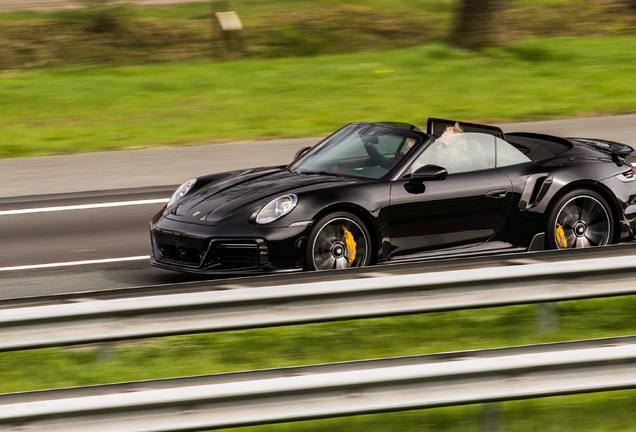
[(375, 193)]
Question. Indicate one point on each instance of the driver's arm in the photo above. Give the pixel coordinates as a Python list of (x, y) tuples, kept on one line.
[(376, 157)]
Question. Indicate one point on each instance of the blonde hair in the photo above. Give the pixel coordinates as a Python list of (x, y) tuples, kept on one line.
[(454, 129), (458, 139)]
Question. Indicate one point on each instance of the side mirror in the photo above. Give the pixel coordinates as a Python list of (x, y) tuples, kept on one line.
[(302, 152), (429, 172), (415, 184)]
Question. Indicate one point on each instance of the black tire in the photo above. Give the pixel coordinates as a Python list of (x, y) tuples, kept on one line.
[(580, 218), (330, 247)]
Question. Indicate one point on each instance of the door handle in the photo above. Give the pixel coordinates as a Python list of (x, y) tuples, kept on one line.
[(500, 193)]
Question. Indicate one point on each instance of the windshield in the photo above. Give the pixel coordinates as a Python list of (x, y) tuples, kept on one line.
[(358, 150)]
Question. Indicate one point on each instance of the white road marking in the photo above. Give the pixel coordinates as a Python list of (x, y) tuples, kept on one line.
[(83, 206), (74, 263)]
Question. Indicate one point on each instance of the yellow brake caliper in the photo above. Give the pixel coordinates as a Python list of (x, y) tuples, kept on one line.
[(560, 237), (350, 245)]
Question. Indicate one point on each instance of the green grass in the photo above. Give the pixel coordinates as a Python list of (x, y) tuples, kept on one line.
[(312, 343), (304, 68), (75, 109), (589, 413), (353, 340), (140, 35), (274, 29), (603, 412)]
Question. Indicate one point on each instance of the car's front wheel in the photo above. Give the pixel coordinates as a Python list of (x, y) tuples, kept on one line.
[(581, 218), (338, 240)]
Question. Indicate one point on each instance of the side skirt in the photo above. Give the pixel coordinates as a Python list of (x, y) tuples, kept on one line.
[(537, 243)]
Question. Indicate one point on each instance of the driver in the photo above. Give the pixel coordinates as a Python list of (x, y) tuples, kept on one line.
[(378, 158), (447, 151), (451, 148)]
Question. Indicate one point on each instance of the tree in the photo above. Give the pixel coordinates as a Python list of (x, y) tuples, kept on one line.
[(476, 24), (104, 16)]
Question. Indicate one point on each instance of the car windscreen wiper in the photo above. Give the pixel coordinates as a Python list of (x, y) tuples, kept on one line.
[(320, 172)]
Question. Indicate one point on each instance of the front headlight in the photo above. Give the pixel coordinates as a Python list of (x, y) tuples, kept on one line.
[(276, 209), (181, 191)]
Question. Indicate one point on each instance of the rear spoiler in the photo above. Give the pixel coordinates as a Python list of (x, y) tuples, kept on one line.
[(612, 147)]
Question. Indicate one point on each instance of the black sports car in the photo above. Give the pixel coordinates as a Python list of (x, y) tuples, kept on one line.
[(375, 193)]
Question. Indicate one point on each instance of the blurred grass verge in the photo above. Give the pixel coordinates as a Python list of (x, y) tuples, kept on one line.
[(85, 108), (114, 76), (116, 32), (353, 340)]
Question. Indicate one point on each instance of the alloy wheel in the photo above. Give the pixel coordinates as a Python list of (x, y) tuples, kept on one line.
[(583, 221)]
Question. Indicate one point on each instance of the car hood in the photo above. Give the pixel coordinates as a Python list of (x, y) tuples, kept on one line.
[(246, 191)]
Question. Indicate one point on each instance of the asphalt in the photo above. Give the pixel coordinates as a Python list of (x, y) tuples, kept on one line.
[(22, 178)]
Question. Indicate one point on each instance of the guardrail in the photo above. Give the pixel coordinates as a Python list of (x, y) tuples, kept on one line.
[(131, 318), (340, 389), (401, 268)]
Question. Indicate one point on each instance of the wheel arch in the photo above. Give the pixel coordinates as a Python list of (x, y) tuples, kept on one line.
[(367, 219), (594, 186)]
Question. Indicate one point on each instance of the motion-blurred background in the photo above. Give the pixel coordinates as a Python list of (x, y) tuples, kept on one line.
[(82, 75)]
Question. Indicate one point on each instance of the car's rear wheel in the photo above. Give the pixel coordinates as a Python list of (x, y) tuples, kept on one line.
[(581, 218), (338, 240)]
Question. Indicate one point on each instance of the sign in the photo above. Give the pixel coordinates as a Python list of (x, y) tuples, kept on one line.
[(229, 21)]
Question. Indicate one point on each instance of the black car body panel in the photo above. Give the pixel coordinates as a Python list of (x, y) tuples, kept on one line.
[(366, 175)]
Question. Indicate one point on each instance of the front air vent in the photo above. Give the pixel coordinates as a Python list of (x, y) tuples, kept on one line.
[(234, 254)]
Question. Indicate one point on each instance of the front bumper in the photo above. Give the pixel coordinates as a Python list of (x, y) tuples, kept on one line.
[(195, 248)]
